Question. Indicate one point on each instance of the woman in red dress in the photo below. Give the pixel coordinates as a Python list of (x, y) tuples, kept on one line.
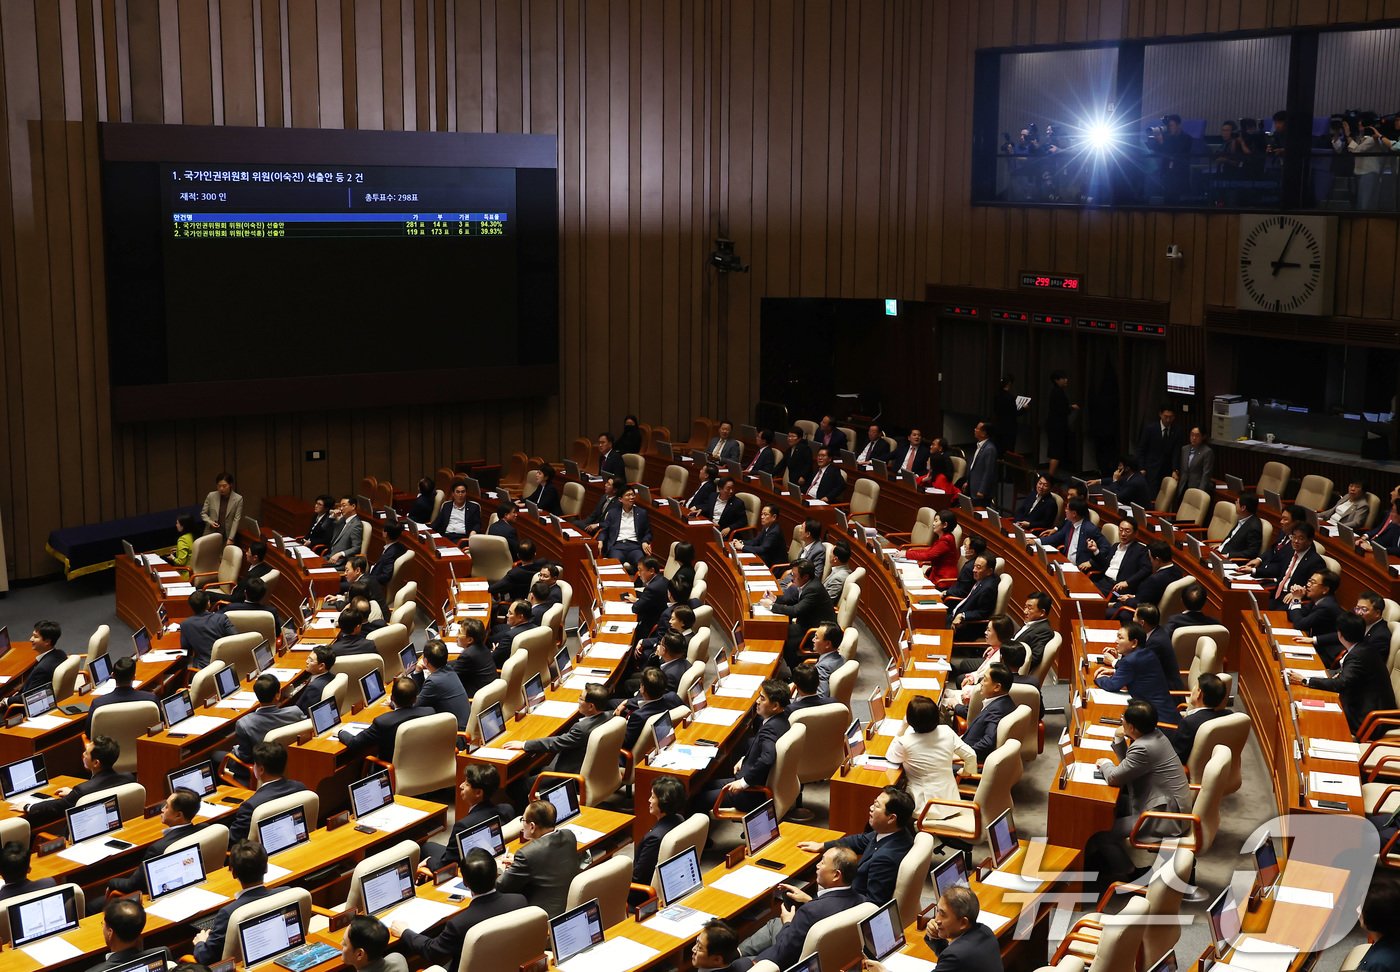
[(941, 556)]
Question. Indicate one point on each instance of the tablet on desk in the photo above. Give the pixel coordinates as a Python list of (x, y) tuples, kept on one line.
[(51, 914)]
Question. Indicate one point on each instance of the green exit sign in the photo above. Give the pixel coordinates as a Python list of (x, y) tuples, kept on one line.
[(891, 308)]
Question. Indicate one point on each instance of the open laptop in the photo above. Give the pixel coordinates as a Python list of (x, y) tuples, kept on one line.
[(1266, 863), (289, 635), (760, 828), (950, 873), (387, 887), (325, 716), (267, 936), (372, 686), (882, 934), (140, 642), (1224, 917), (1273, 499), (1001, 834), (576, 931), (855, 739), (39, 701), (663, 731), (1235, 484), (92, 821), (198, 778), (226, 682), (487, 835), (491, 723), (174, 871), (283, 831), (564, 797), (100, 669), (263, 657), (176, 708), (51, 914), (21, 782), (408, 657), (370, 794), (534, 691), (679, 876)]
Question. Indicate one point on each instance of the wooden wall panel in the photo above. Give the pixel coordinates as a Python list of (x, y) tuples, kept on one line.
[(826, 137)]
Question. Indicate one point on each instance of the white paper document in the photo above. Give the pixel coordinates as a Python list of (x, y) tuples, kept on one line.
[(615, 953), (620, 609), (1011, 882), (555, 709), (993, 920), (1099, 744), (275, 872), (918, 682), (91, 851), (756, 657), (582, 679), (619, 584), (1334, 749), (1084, 773), (678, 921), (1107, 732), (486, 752), (1084, 596), (208, 811), (43, 722), (872, 762), (618, 627), (198, 725), (584, 835), (904, 962), (421, 914), (1105, 697), (1261, 955), (162, 656), (51, 951), (889, 727), (186, 904), (936, 665), (749, 881), (1334, 783), (684, 757), (607, 650), (714, 716), (1304, 896), (1101, 636), (393, 817)]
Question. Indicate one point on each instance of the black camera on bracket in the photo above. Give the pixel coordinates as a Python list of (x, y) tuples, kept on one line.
[(725, 260)]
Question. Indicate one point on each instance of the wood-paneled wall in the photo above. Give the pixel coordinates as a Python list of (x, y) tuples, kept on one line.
[(826, 137)]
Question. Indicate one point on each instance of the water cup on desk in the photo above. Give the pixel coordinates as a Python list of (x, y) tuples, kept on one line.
[(1269, 438)]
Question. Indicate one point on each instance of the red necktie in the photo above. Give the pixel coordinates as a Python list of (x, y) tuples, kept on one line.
[(1283, 581)]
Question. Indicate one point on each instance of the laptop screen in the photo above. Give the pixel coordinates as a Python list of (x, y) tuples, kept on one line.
[(492, 722), (262, 656), (663, 731), (307, 611), (760, 827), (101, 668), (486, 835), (226, 681), (95, 819), (199, 778), (39, 701), (1002, 836), (289, 636), (408, 657), (576, 930), (562, 662), (173, 871), (40, 917), (565, 800), (386, 887), (1266, 859), (371, 793), (721, 665), (176, 707), (881, 934), (372, 686), (855, 738), (534, 691), (22, 776), (324, 715), (140, 642), (150, 962), (268, 935), (1224, 917), (680, 875), (950, 873), (283, 830)]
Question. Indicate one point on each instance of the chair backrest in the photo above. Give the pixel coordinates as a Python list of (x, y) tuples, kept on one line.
[(693, 831), (300, 898), (236, 650), (538, 646), (1047, 658), (439, 497), (1110, 530), (1332, 563), (571, 499), (634, 466), (308, 800), (485, 697), (65, 676), (1231, 732), (693, 674), (1019, 726), (699, 648), (1000, 773), (1266, 534), (1166, 494), (507, 941), (396, 579), (865, 496), (1390, 610), (261, 623), (1121, 938), (355, 900), (388, 641), (782, 779), (753, 506), (1210, 796), (355, 667), (405, 614), (673, 481), (125, 722), (849, 603), (1274, 478), (842, 684), (1165, 890), (922, 533), (212, 840), (21, 898), (552, 621), (704, 617), (408, 591), (207, 553), (601, 769), (566, 597), (700, 588), (286, 735), (1373, 511), (1003, 591), (836, 938), (823, 751), (959, 464), (1314, 492), (420, 765), (1350, 962), (809, 432), (609, 883), (98, 642), (1222, 520), (1171, 598), (1195, 504), (913, 872), (131, 799), (490, 556), (338, 688), (850, 642), (17, 829), (1209, 659), (1185, 639)]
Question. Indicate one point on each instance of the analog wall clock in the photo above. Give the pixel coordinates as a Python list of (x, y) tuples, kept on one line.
[(1285, 264)]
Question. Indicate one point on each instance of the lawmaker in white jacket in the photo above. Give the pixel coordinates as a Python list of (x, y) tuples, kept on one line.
[(926, 749)]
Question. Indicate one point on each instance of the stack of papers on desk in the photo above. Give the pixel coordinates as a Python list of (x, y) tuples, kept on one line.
[(756, 657), (1011, 882), (1334, 783), (1084, 773), (235, 704), (556, 709), (275, 872), (919, 682), (872, 762), (43, 722), (469, 586), (92, 851), (749, 881), (487, 752), (283, 675), (904, 962), (1318, 705), (761, 586), (933, 665), (889, 727), (106, 687), (1334, 749), (323, 571), (714, 716), (607, 650), (1306, 897), (759, 611), (1261, 955), (683, 757), (51, 951), (619, 584), (584, 835), (923, 638), (737, 686), (615, 953), (612, 570), (449, 551), (395, 816), (1105, 732), (757, 570), (421, 914), (354, 728), (198, 725), (210, 810), (1105, 697), (1085, 596), (678, 921), (993, 921), (1101, 636), (580, 678), (162, 656), (178, 590), (186, 904), (622, 609), (617, 627)]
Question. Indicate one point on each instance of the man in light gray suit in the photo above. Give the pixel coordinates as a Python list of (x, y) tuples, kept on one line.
[(547, 862), (439, 688), (253, 728), (570, 745), (1197, 463), (1148, 772), (722, 446), (347, 538)]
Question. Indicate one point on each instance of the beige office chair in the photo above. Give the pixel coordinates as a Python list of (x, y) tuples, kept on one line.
[(753, 506), (300, 898), (508, 941), (571, 500), (1209, 659), (782, 779), (552, 623), (609, 882), (405, 614), (388, 641), (261, 623), (634, 466), (1266, 534), (99, 642), (842, 684), (206, 560), (824, 750), (1230, 732), (836, 938), (1019, 726), (1185, 639), (1274, 477), (1195, 504), (355, 899), (1004, 581), (65, 676), (1314, 492), (17, 829), (808, 427), (699, 648), (674, 481), (913, 872), (704, 617), (693, 831), (1373, 512), (131, 799), (539, 646), (865, 496), (212, 841), (1171, 598), (602, 772), (1110, 531), (491, 557), (421, 761), (699, 589), (1047, 659), (1350, 962), (355, 667), (850, 643), (693, 674), (308, 800), (851, 439), (439, 497), (1000, 773), (1223, 517), (1204, 818), (19, 899), (286, 735), (338, 688), (1330, 562), (125, 722), (849, 604), (922, 533), (236, 651), (1112, 947), (407, 592), (486, 696), (1166, 494), (396, 579)]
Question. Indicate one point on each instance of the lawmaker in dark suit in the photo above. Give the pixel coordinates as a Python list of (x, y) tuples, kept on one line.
[(1159, 447), (1037, 511), (515, 583), (667, 803), (626, 533), (754, 767), (981, 731), (546, 862), (14, 872), (253, 727), (826, 483), (1127, 485), (911, 454), (1195, 463), (570, 746), (269, 763), (1274, 558), (981, 476), (439, 688), (201, 629), (764, 458), (1247, 535), (875, 446), (654, 698), (504, 527), (44, 641), (1361, 681), (1386, 536), (123, 675), (830, 436), (123, 921), (767, 542), (319, 662), (702, 501), (969, 619), (474, 667), (445, 948), (651, 600), (724, 446), (519, 619), (594, 521), (1207, 703), (882, 847), (177, 816), (247, 864), (480, 781), (961, 942), (1150, 591), (1122, 566), (805, 603), (609, 459), (1370, 608), (1380, 916), (1137, 672), (378, 739), (1073, 535), (546, 496), (383, 569), (1035, 631), (800, 911), (323, 523), (100, 755), (727, 511), (797, 464), (459, 517), (1303, 562), (1316, 614)]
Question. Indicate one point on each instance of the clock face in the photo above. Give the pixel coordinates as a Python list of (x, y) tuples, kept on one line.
[(1282, 265)]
